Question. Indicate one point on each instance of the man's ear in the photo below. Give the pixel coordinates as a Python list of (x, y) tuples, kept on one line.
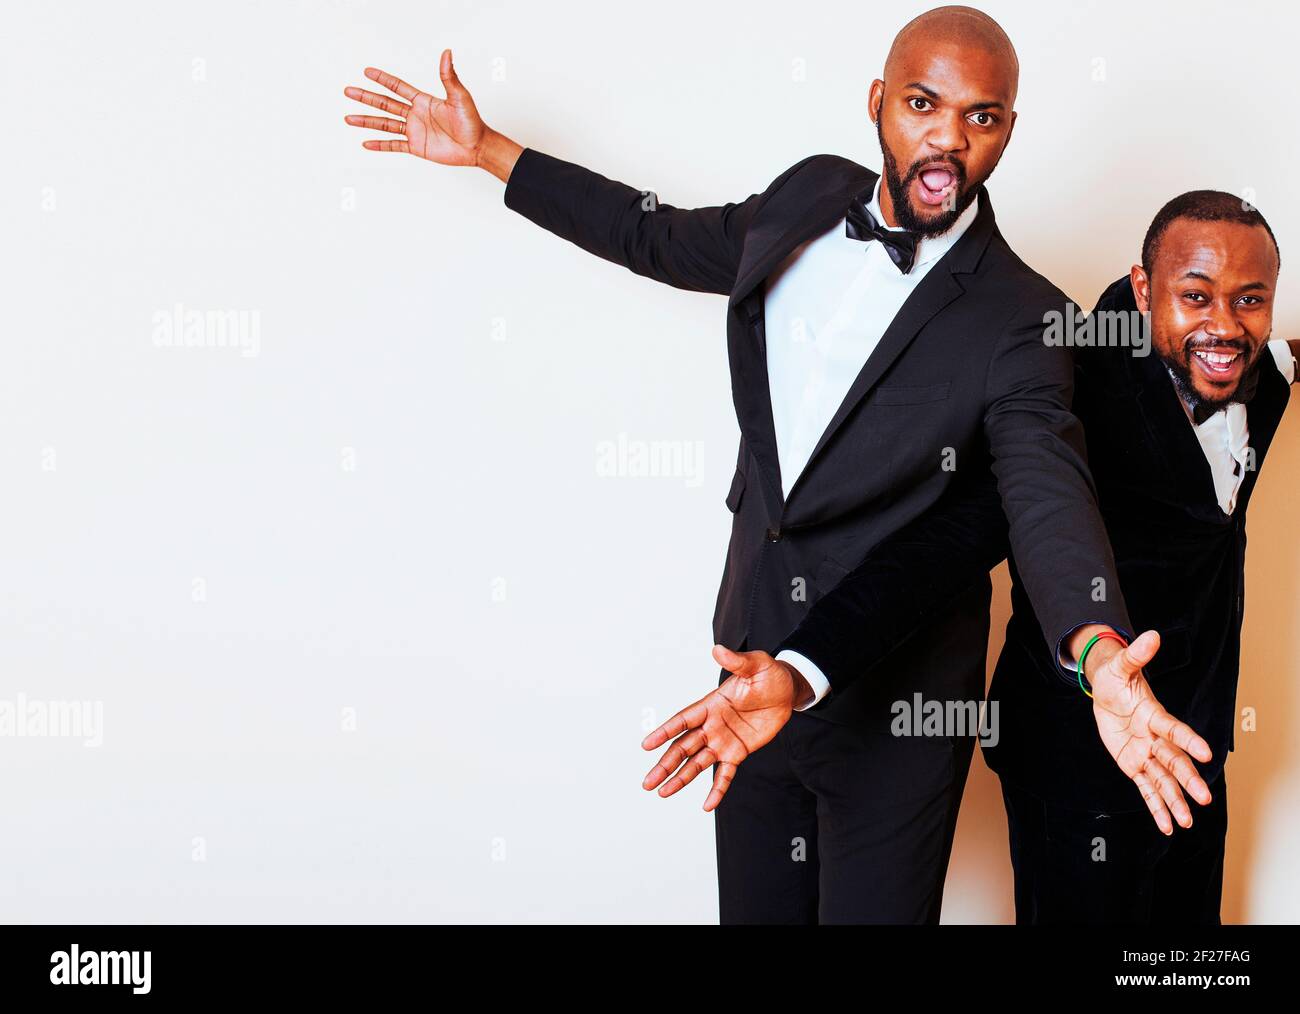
[(1010, 130), (874, 99), (1141, 287)]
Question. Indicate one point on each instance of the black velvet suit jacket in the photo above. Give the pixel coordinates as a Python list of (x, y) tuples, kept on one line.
[(961, 386), (1181, 564)]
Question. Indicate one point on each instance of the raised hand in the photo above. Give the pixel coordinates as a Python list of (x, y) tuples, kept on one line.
[(1147, 742), (447, 131), (725, 727)]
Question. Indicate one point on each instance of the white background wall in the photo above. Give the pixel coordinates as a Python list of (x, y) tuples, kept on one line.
[(469, 366)]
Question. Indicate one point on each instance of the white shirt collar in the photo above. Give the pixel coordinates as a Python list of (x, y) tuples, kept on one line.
[(931, 248)]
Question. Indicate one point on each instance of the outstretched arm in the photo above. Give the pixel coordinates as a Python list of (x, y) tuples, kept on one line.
[(1064, 559), (904, 581), (1293, 347), (697, 249)]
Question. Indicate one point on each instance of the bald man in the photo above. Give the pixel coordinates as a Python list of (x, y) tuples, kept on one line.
[(886, 346)]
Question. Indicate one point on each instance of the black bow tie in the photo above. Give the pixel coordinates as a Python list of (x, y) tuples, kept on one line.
[(899, 244), (1245, 391)]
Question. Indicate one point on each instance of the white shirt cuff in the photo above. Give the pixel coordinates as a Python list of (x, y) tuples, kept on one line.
[(809, 670), (1281, 350)]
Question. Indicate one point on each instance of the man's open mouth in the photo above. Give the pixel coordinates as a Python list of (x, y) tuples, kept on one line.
[(936, 185), (1220, 364)]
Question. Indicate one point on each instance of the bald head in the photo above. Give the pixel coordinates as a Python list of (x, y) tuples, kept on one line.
[(944, 112), (958, 28)]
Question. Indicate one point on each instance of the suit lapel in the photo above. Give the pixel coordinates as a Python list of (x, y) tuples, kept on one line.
[(1143, 383), (1263, 413), (769, 243), (1173, 439), (936, 291)]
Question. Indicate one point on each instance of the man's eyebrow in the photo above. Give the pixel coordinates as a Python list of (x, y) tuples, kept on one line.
[(1248, 287), (973, 107), (922, 88)]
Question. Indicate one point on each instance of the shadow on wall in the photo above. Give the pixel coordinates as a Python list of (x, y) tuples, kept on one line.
[(979, 885), (1264, 761), (978, 888)]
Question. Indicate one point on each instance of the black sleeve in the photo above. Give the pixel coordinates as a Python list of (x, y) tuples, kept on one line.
[(906, 579), (1040, 481), (1058, 538), (697, 249)]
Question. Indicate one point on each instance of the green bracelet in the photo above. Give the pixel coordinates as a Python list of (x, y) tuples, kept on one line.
[(1083, 655), (1091, 641)]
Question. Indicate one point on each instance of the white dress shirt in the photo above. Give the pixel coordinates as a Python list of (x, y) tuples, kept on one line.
[(825, 309)]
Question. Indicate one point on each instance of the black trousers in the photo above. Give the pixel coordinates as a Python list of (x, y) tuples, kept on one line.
[(831, 823), (1076, 867)]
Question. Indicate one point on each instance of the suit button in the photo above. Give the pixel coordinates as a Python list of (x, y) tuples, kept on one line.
[(773, 535)]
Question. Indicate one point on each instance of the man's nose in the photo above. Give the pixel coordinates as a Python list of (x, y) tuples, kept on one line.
[(947, 135), (1222, 321)]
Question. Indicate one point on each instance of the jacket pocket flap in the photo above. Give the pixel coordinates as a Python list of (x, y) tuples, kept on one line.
[(828, 574), (903, 395), (737, 488)]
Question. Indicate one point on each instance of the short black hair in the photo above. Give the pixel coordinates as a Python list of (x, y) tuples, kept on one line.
[(1202, 206)]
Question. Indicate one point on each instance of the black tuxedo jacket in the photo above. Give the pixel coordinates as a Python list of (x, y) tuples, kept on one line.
[(961, 385), (1181, 563)]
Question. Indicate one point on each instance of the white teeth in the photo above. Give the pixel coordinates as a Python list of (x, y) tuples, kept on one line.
[(1217, 358)]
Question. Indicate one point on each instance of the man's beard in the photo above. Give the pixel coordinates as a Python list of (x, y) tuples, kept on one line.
[(900, 185), (1181, 371)]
